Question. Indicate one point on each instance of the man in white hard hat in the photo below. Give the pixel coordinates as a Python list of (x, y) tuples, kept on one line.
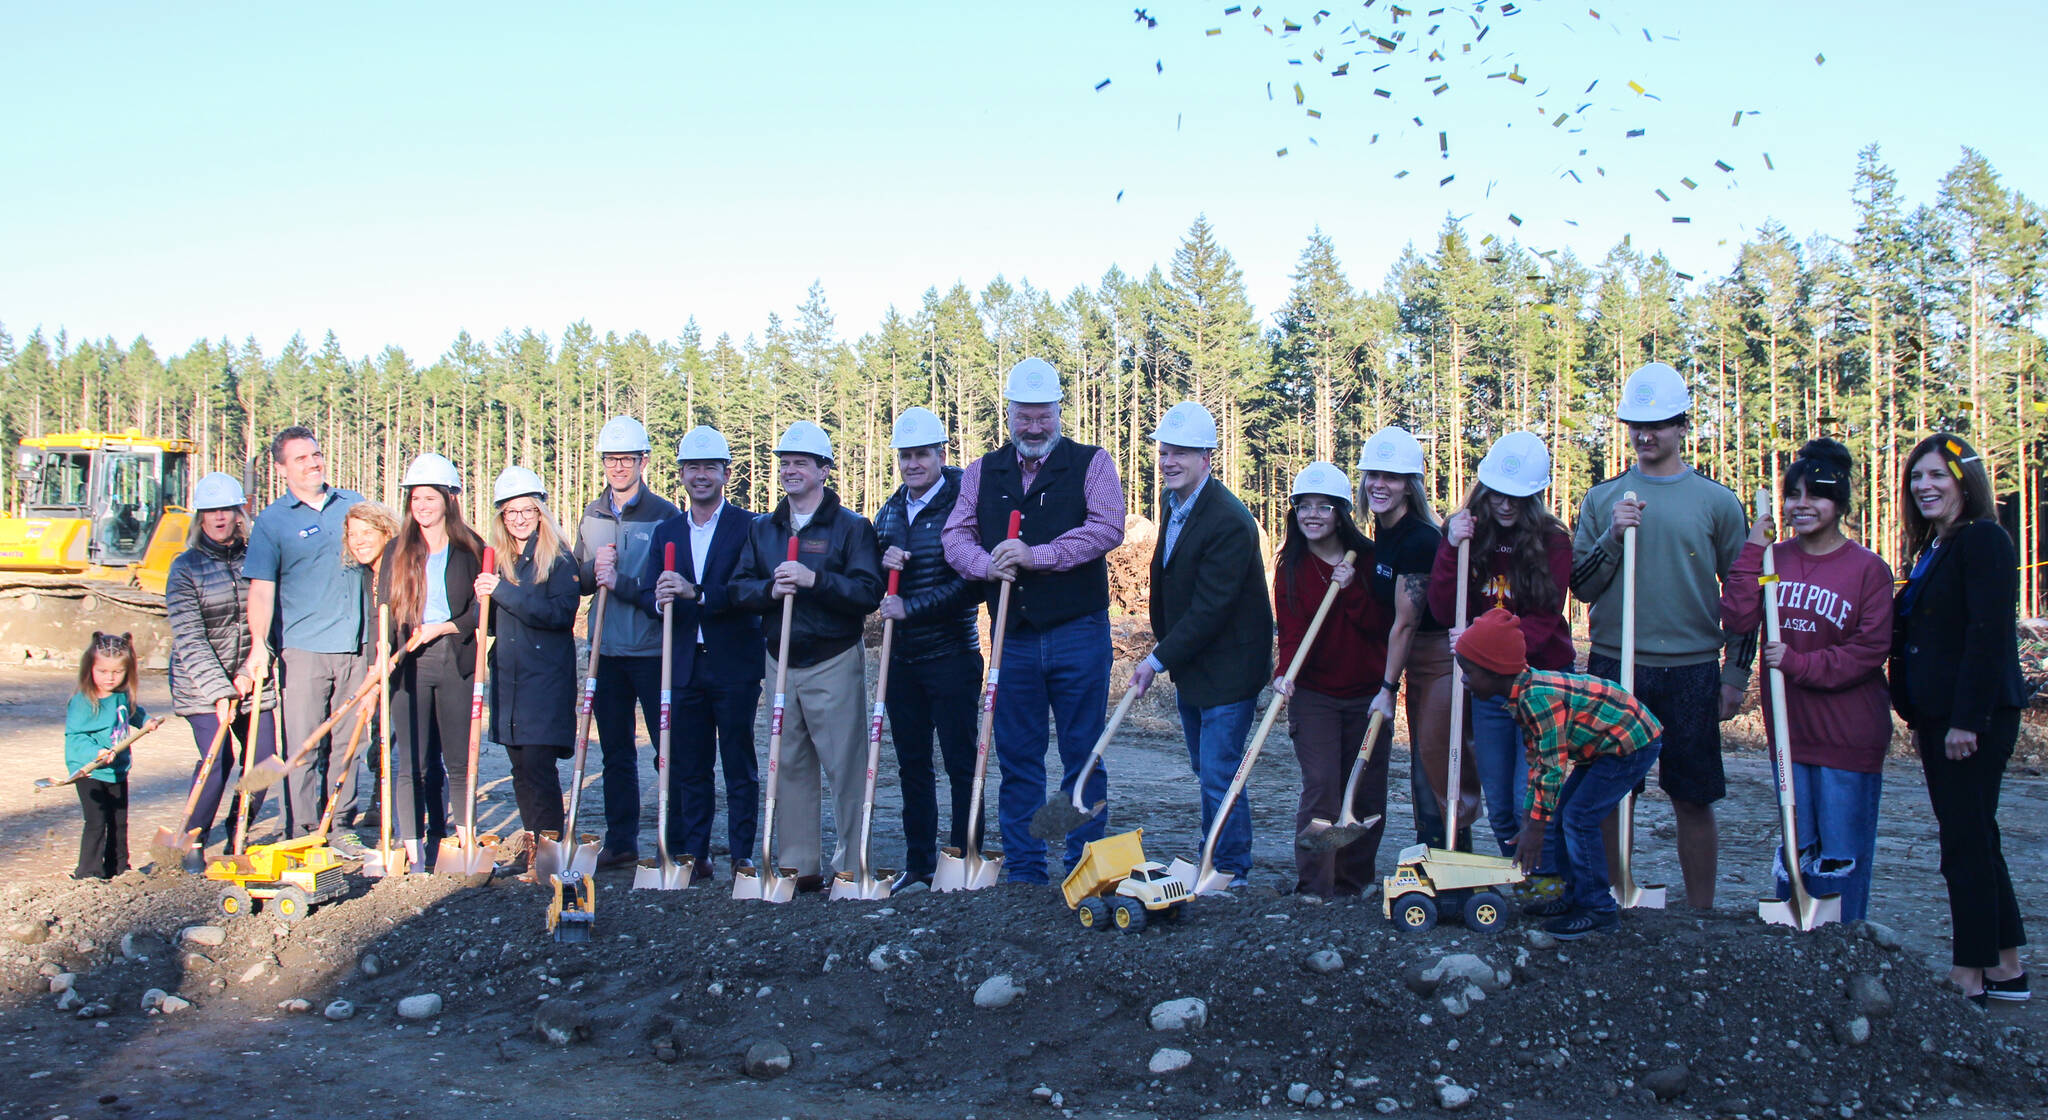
[(935, 666), (1212, 620), (1690, 529), (294, 567), (1056, 649), (612, 545), (717, 656), (836, 580)]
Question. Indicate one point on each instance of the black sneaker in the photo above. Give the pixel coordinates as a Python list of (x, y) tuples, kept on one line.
[(2014, 988), (1548, 908), (1575, 926)]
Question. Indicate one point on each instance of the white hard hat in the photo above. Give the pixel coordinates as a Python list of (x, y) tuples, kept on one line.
[(917, 427), (1517, 465), (1187, 424), (703, 442), (1326, 479), (1653, 393), (622, 435), (1033, 381), (1391, 451), (218, 490), (517, 482), (805, 438), (432, 470)]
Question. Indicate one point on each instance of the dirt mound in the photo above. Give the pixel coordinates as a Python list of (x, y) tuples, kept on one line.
[(1302, 1004)]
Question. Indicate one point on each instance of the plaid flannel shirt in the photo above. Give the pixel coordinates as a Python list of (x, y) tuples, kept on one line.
[(1572, 718)]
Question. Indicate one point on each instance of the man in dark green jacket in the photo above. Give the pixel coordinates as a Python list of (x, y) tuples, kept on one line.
[(1211, 618)]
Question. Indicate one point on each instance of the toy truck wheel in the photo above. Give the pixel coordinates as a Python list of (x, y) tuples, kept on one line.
[(1094, 913), (290, 904), (1130, 914), (1415, 913), (236, 901), (1486, 911)]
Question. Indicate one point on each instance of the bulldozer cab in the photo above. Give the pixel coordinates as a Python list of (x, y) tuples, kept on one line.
[(91, 500)]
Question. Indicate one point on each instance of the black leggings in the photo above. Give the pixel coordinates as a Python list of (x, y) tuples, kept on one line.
[(1982, 911), (429, 710), (537, 785), (103, 846)]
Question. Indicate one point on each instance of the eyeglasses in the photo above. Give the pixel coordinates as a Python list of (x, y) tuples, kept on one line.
[(523, 513), (1315, 507), (622, 460)]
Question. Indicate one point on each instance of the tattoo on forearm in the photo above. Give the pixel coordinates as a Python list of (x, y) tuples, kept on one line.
[(1415, 588)]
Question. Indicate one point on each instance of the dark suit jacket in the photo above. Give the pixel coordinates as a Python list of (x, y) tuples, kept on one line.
[(463, 567), (1209, 609), (1955, 652), (733, 638)]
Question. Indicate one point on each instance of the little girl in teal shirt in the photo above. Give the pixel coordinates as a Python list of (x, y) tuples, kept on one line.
[(96, 723)]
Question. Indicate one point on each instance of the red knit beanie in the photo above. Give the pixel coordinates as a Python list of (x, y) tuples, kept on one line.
[(1494, 642)]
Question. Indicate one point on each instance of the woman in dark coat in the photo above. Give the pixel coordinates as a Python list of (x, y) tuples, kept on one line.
[(1955, 678), (208, 602), (534, 596)]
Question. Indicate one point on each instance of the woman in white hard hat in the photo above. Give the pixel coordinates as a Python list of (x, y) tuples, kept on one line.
[(1331, 698), (207, 598), (369, 527), (428, 575), (534, 596), (1405, 539), (1521, 561)]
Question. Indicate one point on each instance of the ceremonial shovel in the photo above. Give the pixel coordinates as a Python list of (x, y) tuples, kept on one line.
[(969, 868), (766, 882), (1626, 890), (664, 873), (1803, 911), (1205, 879), (173, 848), (1061, 815), (865, 881)]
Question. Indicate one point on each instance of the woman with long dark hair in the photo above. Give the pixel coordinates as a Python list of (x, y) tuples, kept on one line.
[(1835, 632), (1521, 561), (428, 575), (533, 659), (1331, 698), (1955, 678)]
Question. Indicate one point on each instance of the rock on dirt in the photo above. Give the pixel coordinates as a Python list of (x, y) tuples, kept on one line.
[(29, 931), (767, 1060), (1868, 996), (1668, 1083), (1189, 1013), (1468, 967), (339, 1010), (1451, 1096), (562, 1022), (206, 936), (426, 1005), (62, 982), (996, 991), (1322, 962), (1168, 1059)]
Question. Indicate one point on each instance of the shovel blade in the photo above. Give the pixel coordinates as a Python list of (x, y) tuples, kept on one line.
[(746, 883), (1820, 910), (1060, 816), (779, 886), (966, 871), (380, 863), (1639, 896), (547, 856), (1195, 881), (262, 776), (583, 861), (658, 875)]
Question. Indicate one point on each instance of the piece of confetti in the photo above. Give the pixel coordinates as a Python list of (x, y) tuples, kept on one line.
[(1723, 165), (1688, 184), (1104, 82)]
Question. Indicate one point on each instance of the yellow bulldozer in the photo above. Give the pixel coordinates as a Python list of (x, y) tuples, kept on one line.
[(89, 543)]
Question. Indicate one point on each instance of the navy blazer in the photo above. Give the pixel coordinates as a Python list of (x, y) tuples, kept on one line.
[(731, 638), (1955, 647)]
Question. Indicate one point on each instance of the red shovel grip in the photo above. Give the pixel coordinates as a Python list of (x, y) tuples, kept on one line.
[(895, 577), (668, 557), (1016, 523), (490, 559), (792, 548)]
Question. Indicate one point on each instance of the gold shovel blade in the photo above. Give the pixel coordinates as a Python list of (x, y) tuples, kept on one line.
[(1195, 881), (746, 883), (657, 875), (1638, 896), (1821, 910), (547, 856), (583, 861), (381, 863), (850, 884)]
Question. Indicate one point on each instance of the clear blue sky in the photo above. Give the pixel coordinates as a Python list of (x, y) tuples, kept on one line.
[(399, 172)]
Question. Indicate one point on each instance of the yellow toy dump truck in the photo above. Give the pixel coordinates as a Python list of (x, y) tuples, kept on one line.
[(1431, 882), (1115, 884), (287, 879)]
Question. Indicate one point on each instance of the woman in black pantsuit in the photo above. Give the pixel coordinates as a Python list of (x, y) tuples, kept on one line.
[(534, 597), (1955, 679), (428, 575)]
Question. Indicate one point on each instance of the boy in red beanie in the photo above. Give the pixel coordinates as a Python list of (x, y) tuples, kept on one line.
[(1568, 719)]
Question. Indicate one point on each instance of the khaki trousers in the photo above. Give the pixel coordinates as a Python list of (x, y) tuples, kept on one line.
[(824, 720)]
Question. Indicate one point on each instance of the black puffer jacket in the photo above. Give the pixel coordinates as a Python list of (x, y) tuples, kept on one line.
[(208, 602), (938, 606), (533, 660), (839, 545)]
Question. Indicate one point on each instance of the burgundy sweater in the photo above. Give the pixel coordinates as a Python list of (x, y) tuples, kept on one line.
[(1350, 654), (1547, 633), (1835, 618)]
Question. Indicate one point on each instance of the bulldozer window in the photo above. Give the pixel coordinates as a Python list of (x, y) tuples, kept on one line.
[(129, 506), (64, 475)]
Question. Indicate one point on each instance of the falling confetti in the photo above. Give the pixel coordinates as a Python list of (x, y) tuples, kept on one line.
[(1101, 84)]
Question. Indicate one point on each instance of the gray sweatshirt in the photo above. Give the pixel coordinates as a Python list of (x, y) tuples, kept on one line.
[(1692, 530)]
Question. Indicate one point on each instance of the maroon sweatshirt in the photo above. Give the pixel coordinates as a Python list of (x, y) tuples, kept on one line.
[(1350, 654), (1835, 618), (1548, 634)]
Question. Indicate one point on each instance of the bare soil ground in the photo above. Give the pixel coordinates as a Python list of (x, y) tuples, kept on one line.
[(875, 1003)]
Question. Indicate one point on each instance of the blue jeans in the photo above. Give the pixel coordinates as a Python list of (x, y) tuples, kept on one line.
[(712, 721), (1063, 669), (1837, 830), (1216, 744), (1503, 770), (1573, 843)]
